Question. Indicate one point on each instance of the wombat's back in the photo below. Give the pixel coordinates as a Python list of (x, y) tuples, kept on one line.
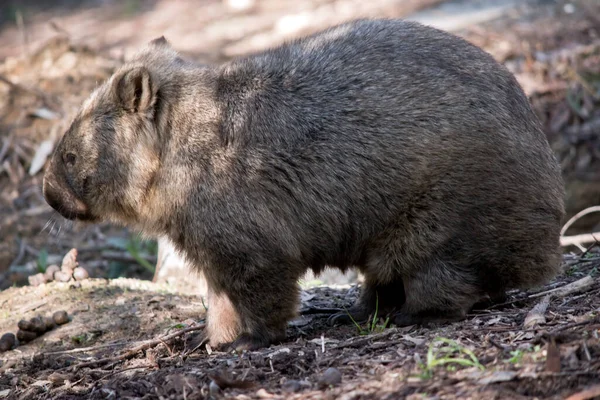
[(397, 129)]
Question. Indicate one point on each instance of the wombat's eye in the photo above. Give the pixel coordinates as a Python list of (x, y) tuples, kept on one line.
[(69, 159)]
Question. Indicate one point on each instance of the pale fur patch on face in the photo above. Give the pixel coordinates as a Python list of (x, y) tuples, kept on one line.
[(223, 322), (143, 166)]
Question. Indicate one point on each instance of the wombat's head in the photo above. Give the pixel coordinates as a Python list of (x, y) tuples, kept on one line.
[(104, 165)]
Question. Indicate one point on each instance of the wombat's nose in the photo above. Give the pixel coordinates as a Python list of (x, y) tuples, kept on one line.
[(62, 199), (51, 193)]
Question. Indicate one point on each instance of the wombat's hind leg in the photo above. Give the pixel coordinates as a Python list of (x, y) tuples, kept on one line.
[(374, 298), (438, 293)]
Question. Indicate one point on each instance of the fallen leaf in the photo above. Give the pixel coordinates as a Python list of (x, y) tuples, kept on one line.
[(319, 341), (536, 314), (45, 113), (413, 340), (41, 155), (493, 321), (41, 383), (497, 376), (284, 350)]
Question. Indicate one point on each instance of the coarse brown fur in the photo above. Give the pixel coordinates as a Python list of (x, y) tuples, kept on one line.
[(384, 145)]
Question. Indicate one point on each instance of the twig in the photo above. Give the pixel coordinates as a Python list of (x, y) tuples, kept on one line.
[(578, 240), (565, 327), (141, 347), (499, 346), (113, 373), (5, 142), (577, 216), (590, 393), (574, 325), (586, 252), (84, 349), (573, 287), (567, 289)]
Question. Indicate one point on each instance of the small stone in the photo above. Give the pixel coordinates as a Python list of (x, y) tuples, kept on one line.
[(37, 325), (37, 279), (263, 394), (26, 336), (80, 274), (291, 386), (7, 341), (62, 276), (50, 271), (331, 377), (60, 317)]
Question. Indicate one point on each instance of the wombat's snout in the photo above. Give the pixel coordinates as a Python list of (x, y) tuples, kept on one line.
[(62, 199)]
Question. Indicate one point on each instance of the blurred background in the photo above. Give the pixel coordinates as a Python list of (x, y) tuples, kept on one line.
[(53, 53)]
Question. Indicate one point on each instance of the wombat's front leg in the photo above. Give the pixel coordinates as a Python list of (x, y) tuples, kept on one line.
[(250, 310)]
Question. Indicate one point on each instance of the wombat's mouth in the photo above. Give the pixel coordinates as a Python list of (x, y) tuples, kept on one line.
[(65, 202)]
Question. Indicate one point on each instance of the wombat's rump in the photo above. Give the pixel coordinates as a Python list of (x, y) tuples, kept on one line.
[(384, 145)]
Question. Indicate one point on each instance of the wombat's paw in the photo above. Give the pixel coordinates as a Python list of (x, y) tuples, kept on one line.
[(249, 342)]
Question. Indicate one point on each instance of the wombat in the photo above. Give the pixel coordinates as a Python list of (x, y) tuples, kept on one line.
[(385, 145)]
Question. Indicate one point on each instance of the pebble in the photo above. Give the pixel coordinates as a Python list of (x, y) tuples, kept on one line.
[(291, 386), (331, 377), (37, 279), (50, 271), (80, 274)]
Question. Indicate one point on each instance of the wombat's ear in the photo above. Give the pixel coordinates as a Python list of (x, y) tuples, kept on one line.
[(159, 42), (135, 90)]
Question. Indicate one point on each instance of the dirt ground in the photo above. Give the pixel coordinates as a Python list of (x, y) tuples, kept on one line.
[(500, 355), (129, 338)]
